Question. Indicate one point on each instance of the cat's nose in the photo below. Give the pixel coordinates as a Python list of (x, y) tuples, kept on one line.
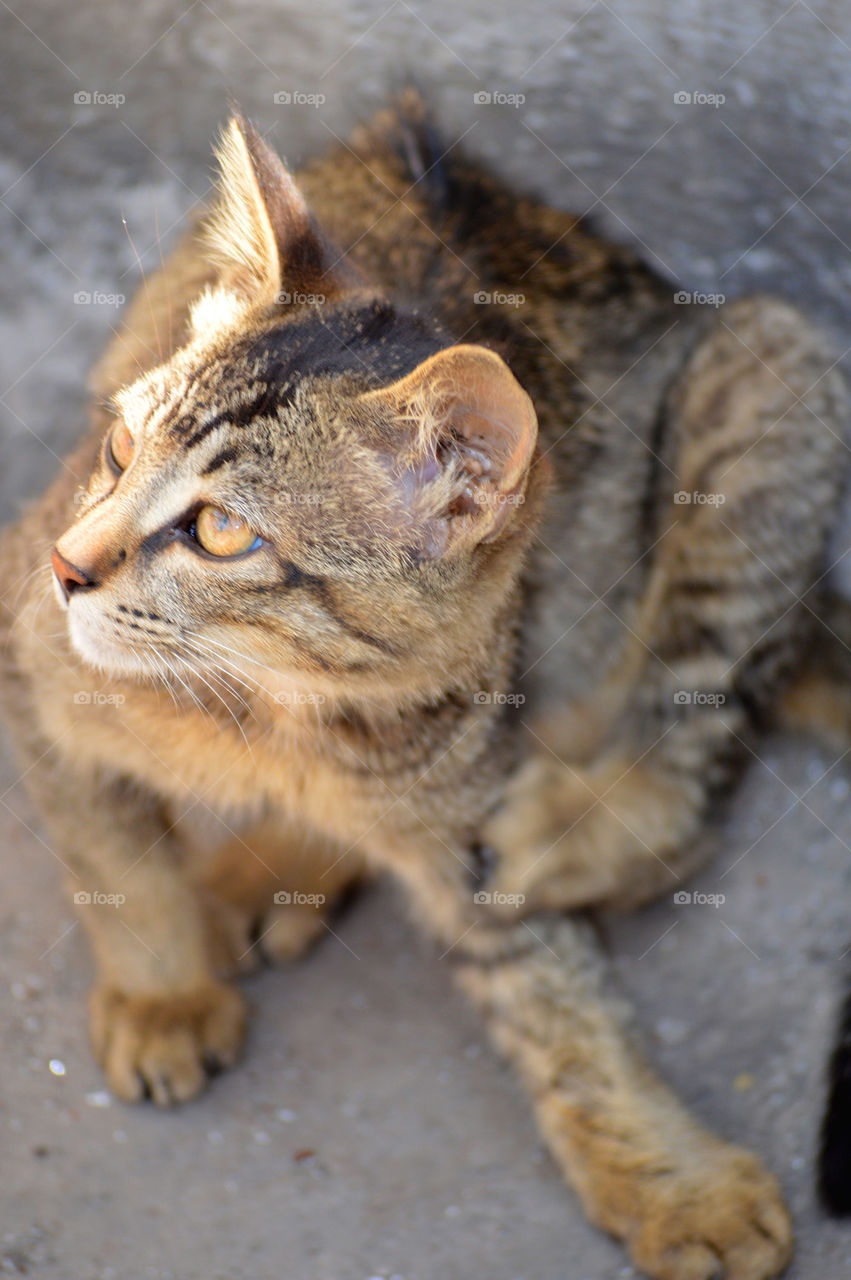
[(69, 577)]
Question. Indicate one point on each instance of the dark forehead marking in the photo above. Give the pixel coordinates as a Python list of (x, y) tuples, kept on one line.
[(263, 398), (375, 340), (261, 375), (224, 456)]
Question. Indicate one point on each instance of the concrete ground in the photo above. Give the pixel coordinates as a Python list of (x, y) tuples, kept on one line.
[(370, 1132)]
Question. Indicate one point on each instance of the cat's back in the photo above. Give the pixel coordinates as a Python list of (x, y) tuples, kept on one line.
[(593, 335)]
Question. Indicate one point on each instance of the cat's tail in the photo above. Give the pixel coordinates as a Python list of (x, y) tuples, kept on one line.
[(834, 1157), (408, 130)]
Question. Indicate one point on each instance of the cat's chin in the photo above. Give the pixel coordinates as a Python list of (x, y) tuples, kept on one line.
[(104, 655)]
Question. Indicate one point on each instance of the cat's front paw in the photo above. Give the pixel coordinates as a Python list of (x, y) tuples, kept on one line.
[(723, 1221), (165, 1047)]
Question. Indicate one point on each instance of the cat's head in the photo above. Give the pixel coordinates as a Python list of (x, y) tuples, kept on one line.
[(318, 484)]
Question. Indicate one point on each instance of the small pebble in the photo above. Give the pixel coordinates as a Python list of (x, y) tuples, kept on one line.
[(838, 789), (99, 1098), (743, 1082), (288, 1117), (56, 1067)]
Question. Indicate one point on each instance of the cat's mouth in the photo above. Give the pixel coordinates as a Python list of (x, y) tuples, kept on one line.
[(115, 643), (195, 664), (100, 647)]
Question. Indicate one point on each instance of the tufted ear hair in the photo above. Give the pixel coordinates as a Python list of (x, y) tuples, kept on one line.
[(466, 437), (261, 231)]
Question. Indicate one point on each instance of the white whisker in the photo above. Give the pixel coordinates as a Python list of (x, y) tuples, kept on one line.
[(196, 674), (244, 677), (219, 673)]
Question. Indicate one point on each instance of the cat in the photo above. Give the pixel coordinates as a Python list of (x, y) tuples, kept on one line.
[(418, 529)]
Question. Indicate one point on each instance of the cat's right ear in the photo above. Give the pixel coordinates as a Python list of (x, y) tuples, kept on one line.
[(261, 231)]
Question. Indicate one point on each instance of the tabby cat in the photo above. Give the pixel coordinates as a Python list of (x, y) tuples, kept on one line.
[(457, 550)]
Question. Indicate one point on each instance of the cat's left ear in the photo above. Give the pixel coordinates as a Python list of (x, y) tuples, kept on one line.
[(467, 432), (261, 230)]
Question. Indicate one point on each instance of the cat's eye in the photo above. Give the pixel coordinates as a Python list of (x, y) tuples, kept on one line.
[(121, 446), (221, 534)]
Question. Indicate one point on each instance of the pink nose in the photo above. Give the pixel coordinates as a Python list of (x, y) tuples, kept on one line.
[(68, 575)]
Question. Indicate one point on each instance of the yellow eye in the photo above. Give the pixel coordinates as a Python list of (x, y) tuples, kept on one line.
[(223, 535), (121, 446)]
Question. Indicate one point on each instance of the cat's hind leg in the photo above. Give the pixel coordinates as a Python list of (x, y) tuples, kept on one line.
[(757, 423)]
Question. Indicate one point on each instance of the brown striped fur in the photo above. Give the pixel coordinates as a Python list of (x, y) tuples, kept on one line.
[(454, 632)]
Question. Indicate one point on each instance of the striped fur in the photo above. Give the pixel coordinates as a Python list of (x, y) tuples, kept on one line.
[(462, 652)]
